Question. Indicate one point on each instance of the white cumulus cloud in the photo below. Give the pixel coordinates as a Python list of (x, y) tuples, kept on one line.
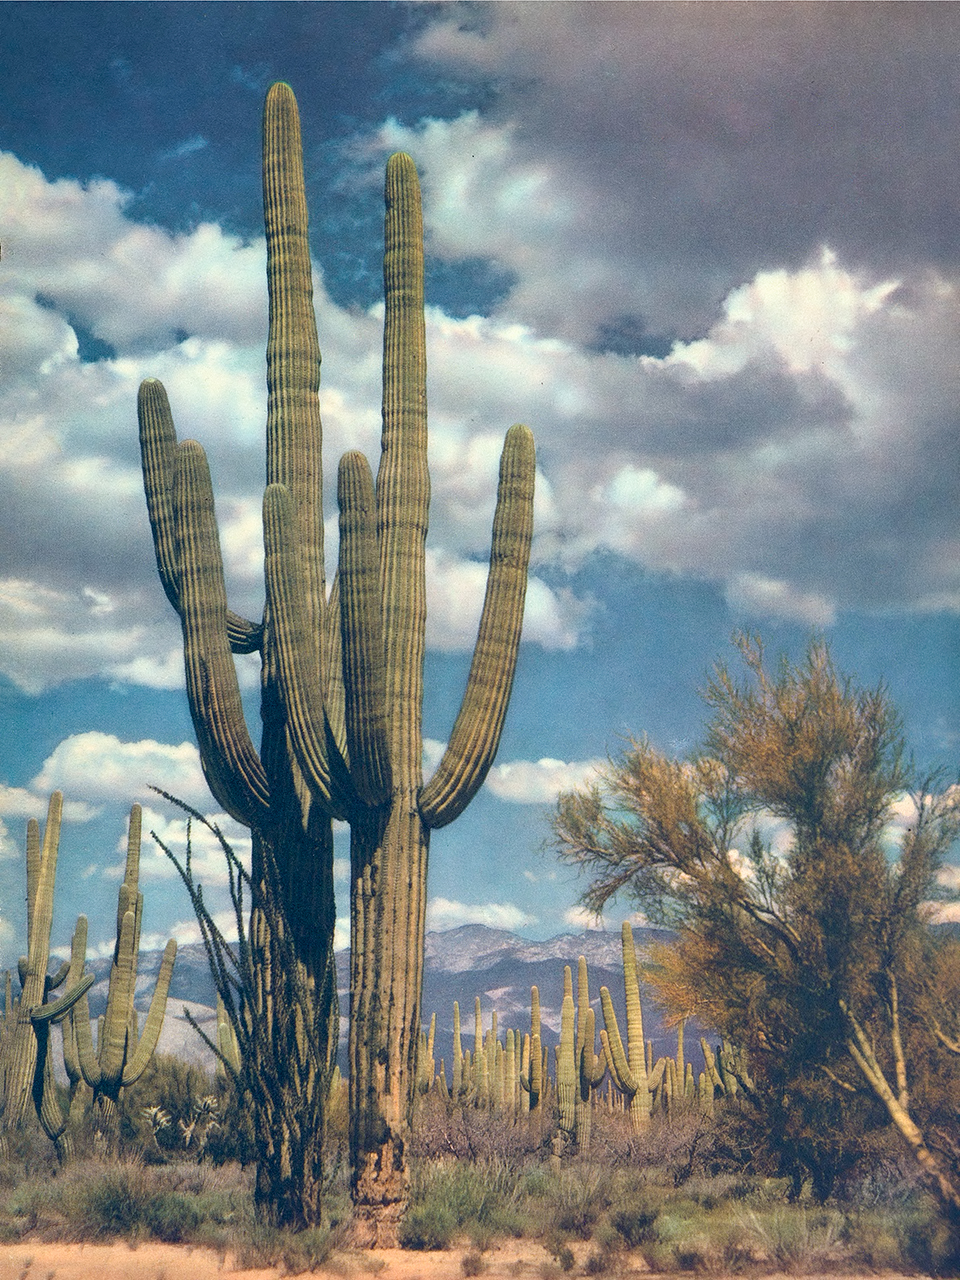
[(444, 913), (99, 768), (539, 781)]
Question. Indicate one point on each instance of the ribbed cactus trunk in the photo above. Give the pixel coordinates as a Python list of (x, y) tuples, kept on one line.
[(390, 842), (342, 690)]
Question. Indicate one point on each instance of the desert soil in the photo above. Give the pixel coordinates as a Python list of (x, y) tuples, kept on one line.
[(150, 1261)]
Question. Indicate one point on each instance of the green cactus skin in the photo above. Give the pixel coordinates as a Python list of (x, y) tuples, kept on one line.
[(342, 677), (565, 1065), (591, 1068), (629, 1070), (122, 1051), (531, 1078), (27, 1068)]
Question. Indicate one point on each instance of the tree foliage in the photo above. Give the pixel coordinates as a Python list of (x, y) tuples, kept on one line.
[(796, 862)]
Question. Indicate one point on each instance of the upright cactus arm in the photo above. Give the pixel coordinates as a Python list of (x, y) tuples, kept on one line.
[(294, 652), (476, 733), (231, 766), (158, 449), (33, 876), (293, 351), (631, 985), (78, 959), (361, 632), (566, 1067), (116, 1024), (403, 481), (136, 1065)]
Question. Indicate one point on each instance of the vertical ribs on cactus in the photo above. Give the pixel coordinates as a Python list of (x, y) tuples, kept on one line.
[(628, 1069), (342, 677), (123, 1050), (27, 1066)]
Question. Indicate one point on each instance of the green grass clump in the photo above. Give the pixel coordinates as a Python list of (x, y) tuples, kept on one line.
[(450, 1198)]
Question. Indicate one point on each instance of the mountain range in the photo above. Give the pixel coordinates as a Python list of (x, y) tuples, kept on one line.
[(460, 964)]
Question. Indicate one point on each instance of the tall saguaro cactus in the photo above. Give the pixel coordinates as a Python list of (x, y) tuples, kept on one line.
[(342, 681)]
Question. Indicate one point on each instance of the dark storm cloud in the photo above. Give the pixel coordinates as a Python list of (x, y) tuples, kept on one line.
[(704, 142)]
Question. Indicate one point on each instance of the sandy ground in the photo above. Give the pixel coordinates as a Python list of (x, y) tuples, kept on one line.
[(149, 1261)]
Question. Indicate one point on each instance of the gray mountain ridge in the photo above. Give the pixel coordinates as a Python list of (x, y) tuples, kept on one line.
[(460, 964)]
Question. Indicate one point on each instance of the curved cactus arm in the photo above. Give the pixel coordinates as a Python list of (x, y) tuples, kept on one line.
[(53, 1118), (58, 1009), (78, 960), (158, 447), (88, 1058), (293, 350), (135, 1066), (659, 1073), (593, 1066), (361, 632), (623, 1076), (230, 764), (476, 732), (56, 979), (710, 1062)]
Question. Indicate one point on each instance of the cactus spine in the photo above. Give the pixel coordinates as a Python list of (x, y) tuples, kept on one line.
[(341, 704), (122, 1051)]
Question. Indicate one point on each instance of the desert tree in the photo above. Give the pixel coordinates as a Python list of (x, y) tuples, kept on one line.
[(795, 858)]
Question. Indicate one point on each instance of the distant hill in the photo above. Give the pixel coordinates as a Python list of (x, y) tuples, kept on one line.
[(460, 964)]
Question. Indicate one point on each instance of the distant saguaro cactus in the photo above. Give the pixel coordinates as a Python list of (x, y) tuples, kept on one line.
[(342, 688), (122, 1051), (27, 1066)]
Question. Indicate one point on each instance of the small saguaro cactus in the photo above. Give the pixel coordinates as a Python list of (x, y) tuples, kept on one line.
[(341, 703), (591, 1067), (531, 1079), (27, 1069), (122, 1051)]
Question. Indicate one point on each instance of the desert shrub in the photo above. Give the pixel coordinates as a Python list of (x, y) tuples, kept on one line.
[(581, 1194), (473, 1263), (926, 1242), (442, 1130), (172, 1217), (115, 1203), (634, 1219), (482, 1199), (429, 1225)]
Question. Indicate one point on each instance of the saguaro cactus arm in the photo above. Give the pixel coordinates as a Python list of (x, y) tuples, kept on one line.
[(361, 632), (299, 666), (230, 764), (476, 733), (147, 1043), (158, 450)]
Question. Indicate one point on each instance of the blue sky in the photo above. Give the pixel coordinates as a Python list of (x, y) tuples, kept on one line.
[(709, 252)]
